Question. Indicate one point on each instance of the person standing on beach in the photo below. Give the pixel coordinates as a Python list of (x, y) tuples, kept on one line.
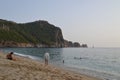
[(46, 56)]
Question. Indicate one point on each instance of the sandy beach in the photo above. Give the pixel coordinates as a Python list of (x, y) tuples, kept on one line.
[(28, 69)]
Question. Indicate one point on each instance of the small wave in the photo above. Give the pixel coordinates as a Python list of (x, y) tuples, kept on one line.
[(28, 56)]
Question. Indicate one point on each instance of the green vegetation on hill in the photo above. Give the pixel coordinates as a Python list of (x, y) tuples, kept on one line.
[(11, 36), (38, 32)]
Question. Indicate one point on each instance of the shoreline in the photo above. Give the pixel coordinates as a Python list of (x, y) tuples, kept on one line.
[(93, 73), (28, 69)]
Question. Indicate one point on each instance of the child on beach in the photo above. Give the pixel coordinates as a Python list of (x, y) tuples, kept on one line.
[(46, 56)]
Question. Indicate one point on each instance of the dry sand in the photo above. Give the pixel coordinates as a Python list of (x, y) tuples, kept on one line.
[(28, 69)]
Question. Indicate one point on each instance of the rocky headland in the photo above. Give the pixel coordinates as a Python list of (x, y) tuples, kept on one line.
[(33, 34)]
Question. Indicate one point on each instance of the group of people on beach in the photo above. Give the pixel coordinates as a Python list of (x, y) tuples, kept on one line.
[(46, 57), (10, 57)]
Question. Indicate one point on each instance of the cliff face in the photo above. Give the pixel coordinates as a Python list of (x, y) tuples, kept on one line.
[(33, 34), (59, 38)]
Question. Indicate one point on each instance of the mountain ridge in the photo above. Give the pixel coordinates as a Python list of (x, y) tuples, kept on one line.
[(32, 34)]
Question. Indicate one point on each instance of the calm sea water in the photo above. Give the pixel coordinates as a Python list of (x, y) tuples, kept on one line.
[(98, 62)]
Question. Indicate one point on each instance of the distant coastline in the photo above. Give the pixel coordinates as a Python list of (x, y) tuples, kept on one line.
[(30, 45)]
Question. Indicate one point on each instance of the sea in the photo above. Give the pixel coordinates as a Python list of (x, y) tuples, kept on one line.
[(103, 63)]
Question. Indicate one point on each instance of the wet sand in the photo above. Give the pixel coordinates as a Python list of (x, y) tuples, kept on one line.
[(28, 69)]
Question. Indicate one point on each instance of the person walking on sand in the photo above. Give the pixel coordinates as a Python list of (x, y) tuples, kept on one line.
[(46, 56)]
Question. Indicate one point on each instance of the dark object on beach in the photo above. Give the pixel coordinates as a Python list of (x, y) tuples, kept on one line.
[(9, 56)]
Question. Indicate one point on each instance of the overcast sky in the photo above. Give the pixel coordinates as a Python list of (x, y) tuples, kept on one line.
[(94, 22)]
